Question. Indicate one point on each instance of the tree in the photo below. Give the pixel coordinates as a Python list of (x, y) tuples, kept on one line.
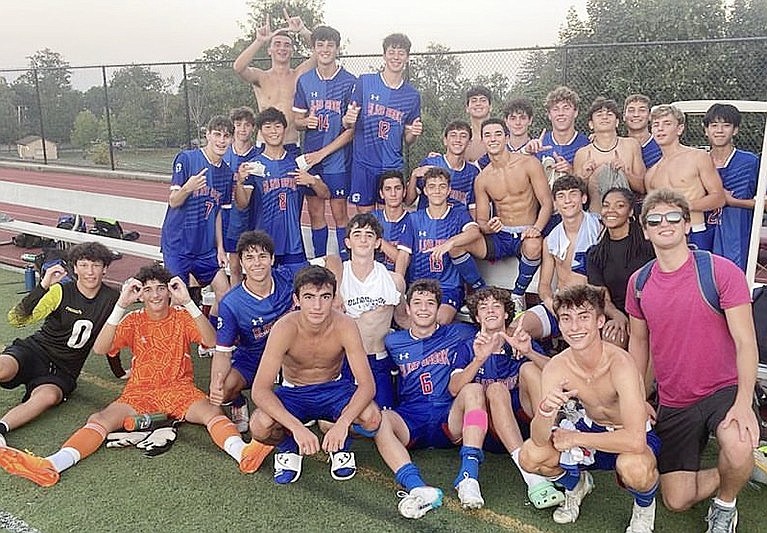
[(85, 130), (9, 114), (310, 11)]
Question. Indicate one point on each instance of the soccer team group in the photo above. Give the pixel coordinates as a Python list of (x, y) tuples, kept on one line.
[(365, 342)]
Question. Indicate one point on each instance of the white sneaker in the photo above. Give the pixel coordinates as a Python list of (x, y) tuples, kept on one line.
[(469, 494), (419, 501), (642, 519), (568, 511), (721, 520), (240, 416), (520, 305)]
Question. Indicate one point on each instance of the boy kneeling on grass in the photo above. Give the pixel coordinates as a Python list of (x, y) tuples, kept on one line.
[(161, 378)]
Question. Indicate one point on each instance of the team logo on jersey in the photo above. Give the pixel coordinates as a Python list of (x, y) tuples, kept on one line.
[(403, 356), (375, 97), (422, 233), (257, 321), (257, 168), (314, 94)]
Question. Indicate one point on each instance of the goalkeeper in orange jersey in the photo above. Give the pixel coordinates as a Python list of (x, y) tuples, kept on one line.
[(161, 379)]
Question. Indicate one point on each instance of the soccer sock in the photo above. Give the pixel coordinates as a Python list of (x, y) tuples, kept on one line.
[(80, 445), (526, 272), (570, 477), (359, 430), (342, 251), (224, 433), (471, 458), (320, 241), (468, 270), (238, 401), (287, 445), (644, 499), (409, 477), (531, 480)]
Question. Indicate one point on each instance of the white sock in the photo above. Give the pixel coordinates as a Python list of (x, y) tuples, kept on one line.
[(530, 479), (64, 458), (234, 446), (726, 505)]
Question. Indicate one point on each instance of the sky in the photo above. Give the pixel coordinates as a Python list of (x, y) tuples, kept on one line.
[(99, 32)]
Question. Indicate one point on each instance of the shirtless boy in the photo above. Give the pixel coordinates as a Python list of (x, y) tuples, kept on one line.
[(309, 346), (686, 170)]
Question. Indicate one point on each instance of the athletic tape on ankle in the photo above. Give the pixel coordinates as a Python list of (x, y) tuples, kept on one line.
[(475, 417)]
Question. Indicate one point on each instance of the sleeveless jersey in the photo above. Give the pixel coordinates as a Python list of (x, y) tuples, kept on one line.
[(651, 153), (360, 296)]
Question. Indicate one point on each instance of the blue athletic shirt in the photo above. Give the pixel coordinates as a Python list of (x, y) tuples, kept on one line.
[(651, 153), (430, 232), (566, 150), (276, 201), (397, 232), (245, 320), (461, 181), (234, 220), (328, 99), (732, 225), (496, 368), (190, 228), (380, 128), (425, 365)]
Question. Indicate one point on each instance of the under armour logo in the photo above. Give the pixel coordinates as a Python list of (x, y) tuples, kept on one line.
[(402, 356), (422, 233), (314, 94), (375, 97), (257, 321)]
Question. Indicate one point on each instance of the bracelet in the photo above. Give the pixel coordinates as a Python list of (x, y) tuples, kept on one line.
[(544, 413), (192, 309), (116, 315)]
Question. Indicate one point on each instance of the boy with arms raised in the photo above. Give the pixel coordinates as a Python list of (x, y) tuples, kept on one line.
[(161, 378), (610, 432), (322, 96), (308, 348)]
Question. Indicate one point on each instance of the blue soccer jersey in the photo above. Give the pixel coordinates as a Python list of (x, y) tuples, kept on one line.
[(461, 181), (235, 221), (497, 368), (732, 225), (398, 232), (651, 153), (384, 113), (431, 232), (245, 320), (327, 99), (190, 229), (276, 201), (566, 150), (425, 365)]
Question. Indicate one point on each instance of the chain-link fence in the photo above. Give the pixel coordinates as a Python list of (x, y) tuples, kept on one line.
[(136, 117)]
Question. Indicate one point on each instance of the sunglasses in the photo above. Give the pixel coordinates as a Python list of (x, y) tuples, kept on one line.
[(672, 217)]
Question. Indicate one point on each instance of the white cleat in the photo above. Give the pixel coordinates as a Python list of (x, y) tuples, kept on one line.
[(419, 501), (568, 511), (642, 519), (469, 494)]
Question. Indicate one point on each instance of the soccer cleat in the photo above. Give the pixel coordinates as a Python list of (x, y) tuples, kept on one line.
[(240, 416), (721, 519), (419, 501), (23, 464), (287, 467), (469, 494), (642, 519), (759, 473), (342, 465), (253, 454), (569, 510), (520, 304)]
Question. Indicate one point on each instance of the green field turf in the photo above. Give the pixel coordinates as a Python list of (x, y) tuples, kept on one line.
[(196, 487)]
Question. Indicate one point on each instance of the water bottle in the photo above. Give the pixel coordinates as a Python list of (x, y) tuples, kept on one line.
[(143, 421), (30, 278)]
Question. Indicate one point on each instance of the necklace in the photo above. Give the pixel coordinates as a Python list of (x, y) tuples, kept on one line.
[(613, 147)]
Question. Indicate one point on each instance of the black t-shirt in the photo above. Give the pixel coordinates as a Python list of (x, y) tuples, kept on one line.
[(615, 273)]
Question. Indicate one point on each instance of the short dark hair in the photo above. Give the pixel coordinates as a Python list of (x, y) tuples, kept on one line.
[(424, 285), (727, 113), (436, 172), (568, 182), (518, 105), (155, 272), (220, 123), (325, 33), (90, 251), (397, 40), (578, 296), (389, 174), (255, 239), (313, 275), (479, 90), (485, 293), (636, 97), (494, 120), (364, 220), (271, 114), (457, 125), (242, 113), (604, 103)]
